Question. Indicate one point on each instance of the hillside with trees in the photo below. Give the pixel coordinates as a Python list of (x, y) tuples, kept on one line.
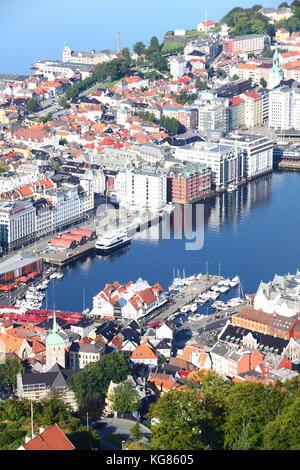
[(211, 413)]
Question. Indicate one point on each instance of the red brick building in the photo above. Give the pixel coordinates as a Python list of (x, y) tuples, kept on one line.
[(189, 182)]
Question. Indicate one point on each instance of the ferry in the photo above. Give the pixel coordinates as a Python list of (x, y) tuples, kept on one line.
[(109, 243)]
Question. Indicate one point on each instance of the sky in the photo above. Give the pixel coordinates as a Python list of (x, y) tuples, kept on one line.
[(35, 30)]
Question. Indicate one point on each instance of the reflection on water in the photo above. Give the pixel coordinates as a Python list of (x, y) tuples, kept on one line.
[(252, 232)]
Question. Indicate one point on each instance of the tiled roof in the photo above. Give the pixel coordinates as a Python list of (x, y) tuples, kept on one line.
[(51, 439)]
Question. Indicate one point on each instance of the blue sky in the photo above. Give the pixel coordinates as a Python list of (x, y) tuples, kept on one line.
[(37, 29)]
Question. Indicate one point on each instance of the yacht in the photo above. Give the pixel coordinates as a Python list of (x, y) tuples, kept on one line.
[(109, 243), (232, 187), (224, 289), (59, 275)]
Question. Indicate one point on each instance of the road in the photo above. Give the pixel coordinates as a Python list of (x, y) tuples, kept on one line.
[(117, 426)]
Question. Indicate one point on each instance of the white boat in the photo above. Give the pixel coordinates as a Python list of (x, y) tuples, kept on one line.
[(185, 309), (235, 279), (232, 187), (214, 295), (226, 282), (224, 289), (52, 276), (59, 275), (193, 307), (110, 243)]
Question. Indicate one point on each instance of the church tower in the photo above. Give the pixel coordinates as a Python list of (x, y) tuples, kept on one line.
[(276, 72), (55, 348), (66, 54)]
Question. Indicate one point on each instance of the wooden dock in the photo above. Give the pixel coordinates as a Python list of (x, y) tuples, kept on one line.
[(186, 295)]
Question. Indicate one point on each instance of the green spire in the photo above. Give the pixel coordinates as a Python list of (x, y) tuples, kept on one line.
[(54, 328), (54, 337), (276, 67)]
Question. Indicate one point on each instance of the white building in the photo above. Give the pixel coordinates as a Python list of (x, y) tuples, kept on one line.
[(257, 151), (132, 301), (226, 162), (280, 108), (17, 222), (284, 106), (177, 66), (280, 296), (146, 189)]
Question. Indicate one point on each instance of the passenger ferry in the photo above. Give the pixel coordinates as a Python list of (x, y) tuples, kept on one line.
[(110, 243)]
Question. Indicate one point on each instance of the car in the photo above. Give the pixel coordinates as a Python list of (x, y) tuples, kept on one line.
[(98, 424)]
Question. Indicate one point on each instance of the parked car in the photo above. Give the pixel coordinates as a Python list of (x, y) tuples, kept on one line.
[(98, 424)]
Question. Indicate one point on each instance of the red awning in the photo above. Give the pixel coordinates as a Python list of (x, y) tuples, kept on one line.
[(32, 274), (24, 279)]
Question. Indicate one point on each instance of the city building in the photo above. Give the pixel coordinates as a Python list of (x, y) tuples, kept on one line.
[(20, 265), (146, 189), (279, 296), (83, 353), (48, 439), (257, 151), (276, 14), (214, 115), (226, 162), (132, 301), (90, 58), (17, 223), (189, 182), (236, 112), (269, 324), (284, 106), (276, 72), (206, 26), (248, 43), (177, 66), (55, 348)]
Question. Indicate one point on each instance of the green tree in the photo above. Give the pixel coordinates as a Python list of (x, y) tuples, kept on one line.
[(62, 141), (63, 102), (154, 46), (263, 82), (235, 77), (126, 398), (139, 48), (283, 433), (93, 380), (136, 433), (56, 166), (126, 53), (93, 407), (200, 84), (159, 62), (12, 367), (32, 105), (250, 406), (3, 167), (177, 421)]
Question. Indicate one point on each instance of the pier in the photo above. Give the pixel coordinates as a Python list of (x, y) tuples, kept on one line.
[(186, 295)]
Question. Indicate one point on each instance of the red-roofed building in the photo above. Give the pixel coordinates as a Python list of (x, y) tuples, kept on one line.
[(50, 439), (145, 354), (206, 26)]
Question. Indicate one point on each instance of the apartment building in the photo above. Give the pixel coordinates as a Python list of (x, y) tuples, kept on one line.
[(284, 106), (189, 182), (177, 66), (226, 162), (214, 115), (248, 43), (257, 151), (17, 223), (141, 188)]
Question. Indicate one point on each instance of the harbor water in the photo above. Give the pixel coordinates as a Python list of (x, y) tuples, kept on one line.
[(252, 232)]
